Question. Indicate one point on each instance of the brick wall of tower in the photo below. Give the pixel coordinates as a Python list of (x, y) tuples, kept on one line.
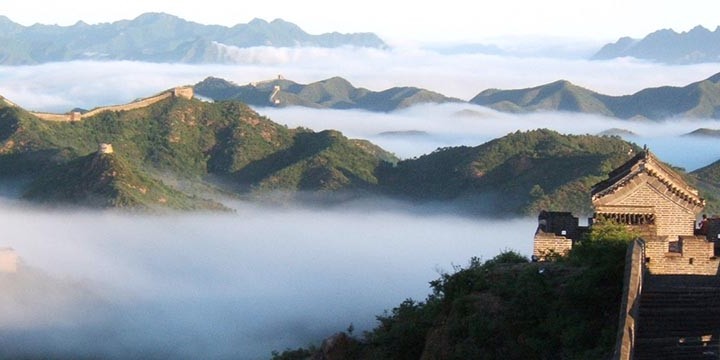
[(671, 218)]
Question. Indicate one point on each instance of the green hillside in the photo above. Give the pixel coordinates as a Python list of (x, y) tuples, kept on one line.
[(108, 181), (224, 142), (700, 100), (522, 172), (707, 180), (333, 93), (228, 147)]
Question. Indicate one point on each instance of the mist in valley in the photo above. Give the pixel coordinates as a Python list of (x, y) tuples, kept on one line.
[(422, 129), (60, 87), (113, 285)]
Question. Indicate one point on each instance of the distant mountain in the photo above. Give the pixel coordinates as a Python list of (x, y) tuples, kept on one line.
[(704, 132), (157, 37), (698, 45), (333, 93), (697, 100), (617, 132), (225, 144)]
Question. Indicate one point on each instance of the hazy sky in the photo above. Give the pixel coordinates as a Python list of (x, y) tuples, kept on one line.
[(403, 22)]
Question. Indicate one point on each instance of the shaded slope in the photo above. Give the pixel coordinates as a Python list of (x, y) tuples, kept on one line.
[(334, 93), (704, 132), (190, 140), (522, 172), (697, 100), (556, 96), (106, 180), (707, 181)]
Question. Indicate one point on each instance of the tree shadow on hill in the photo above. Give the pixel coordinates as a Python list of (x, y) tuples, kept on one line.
[(305, 145)]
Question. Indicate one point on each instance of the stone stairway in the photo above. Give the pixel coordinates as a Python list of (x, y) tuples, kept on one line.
[(679, 318)]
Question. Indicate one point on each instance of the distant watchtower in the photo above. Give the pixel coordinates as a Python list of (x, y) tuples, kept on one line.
[(105, 148), (185, 92)]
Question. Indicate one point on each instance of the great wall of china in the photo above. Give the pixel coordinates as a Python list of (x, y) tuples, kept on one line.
[(181, 92)]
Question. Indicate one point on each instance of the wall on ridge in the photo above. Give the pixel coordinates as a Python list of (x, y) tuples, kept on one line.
[(183, 92)]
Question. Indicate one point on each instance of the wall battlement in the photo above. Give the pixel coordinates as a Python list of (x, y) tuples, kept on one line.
[(185, 92)]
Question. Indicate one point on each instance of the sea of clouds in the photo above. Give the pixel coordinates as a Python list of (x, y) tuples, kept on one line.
[(63, 86), (237, 286), (109, 285)]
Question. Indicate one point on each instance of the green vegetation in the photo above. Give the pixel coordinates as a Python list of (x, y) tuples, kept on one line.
[(697, 100), (108, 181), (335, 93), (707, 181), (228, 145), (183, 139), (508, 308), (522, 172)]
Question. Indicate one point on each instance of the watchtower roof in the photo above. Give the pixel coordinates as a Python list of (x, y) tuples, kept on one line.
[(646, 162)]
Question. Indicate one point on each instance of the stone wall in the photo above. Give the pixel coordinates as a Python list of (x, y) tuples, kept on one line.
[(671, 218), (131, 106), (696, 256), (630, 303), (181, 92), (549, 243)]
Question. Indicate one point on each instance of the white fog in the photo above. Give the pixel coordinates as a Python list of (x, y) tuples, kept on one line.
[(64, 86), (236, 286), (104, 284)]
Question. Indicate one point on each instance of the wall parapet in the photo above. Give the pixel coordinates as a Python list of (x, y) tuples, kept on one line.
[(630, 304), (185, 92)]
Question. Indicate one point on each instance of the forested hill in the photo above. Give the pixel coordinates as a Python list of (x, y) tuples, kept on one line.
[(333, 93), (699, 100), (522, 172), (171, 152), (177, 138)]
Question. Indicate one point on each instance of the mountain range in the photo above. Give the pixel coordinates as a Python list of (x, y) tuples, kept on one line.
[(157, 37), (697, 100), (698, 45), (173, 151), (333, 93)]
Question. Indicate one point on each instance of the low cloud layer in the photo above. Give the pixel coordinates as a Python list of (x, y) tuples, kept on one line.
[(422, 129), (223, 286), (64, 86)]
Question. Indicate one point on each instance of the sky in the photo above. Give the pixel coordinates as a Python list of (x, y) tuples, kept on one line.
[(403, 22)]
